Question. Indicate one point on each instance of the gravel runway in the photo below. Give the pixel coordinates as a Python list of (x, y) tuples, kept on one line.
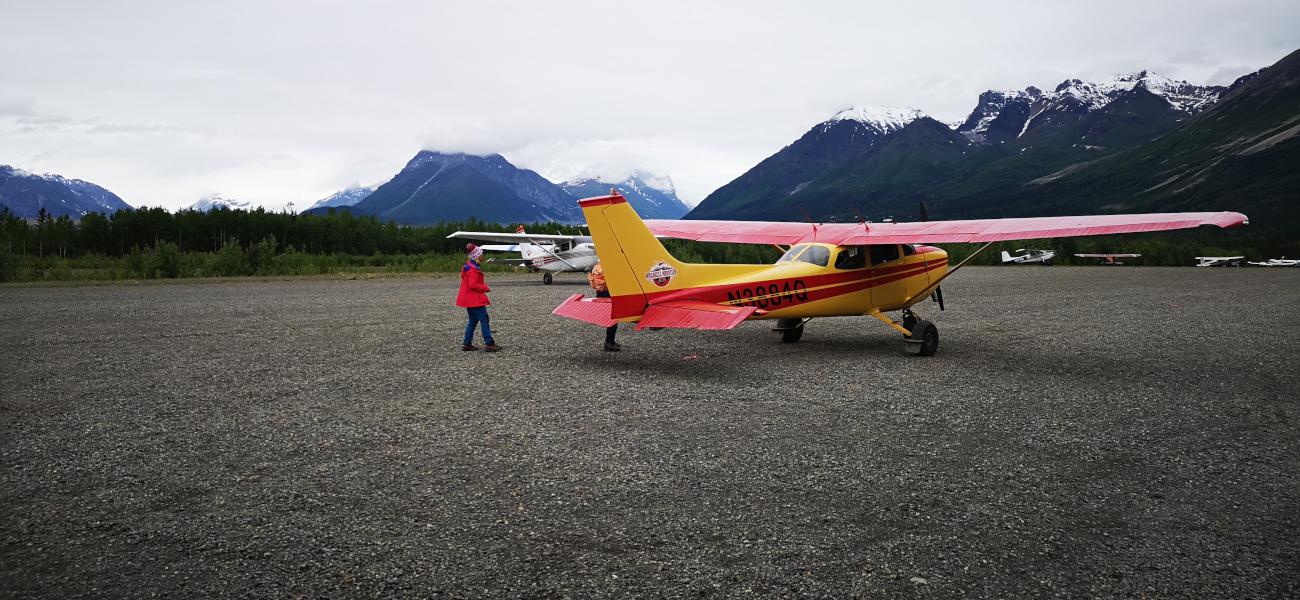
[(1082, 432)]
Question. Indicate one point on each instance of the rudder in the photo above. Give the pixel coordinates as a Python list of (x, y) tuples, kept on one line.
[(636, 264)]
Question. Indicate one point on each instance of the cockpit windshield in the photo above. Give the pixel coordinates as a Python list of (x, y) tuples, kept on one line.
[(817, 255), (791, 253)]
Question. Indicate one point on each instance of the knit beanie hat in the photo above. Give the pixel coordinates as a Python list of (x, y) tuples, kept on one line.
[(474, 251)]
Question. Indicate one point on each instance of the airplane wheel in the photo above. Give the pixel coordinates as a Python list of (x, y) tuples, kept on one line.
[(547, 279), (909, 321), (929, 336), (791, 335)]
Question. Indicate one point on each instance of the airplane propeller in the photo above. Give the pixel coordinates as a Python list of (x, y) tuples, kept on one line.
[(937, 294)]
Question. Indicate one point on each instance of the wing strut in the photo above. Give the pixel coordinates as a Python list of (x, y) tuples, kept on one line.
[(935, 284), (557, 257)]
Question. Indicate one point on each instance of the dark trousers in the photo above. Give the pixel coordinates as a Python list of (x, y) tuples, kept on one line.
[(609, 331), (478, 316)]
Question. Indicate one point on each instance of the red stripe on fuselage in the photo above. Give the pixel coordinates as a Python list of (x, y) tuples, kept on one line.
[(774, 293)]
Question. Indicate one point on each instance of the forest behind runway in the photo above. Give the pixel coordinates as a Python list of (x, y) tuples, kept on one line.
[(1081, 431)]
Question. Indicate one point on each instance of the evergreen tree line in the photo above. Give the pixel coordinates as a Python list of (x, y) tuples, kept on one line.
[(338, 232), (155, 243)]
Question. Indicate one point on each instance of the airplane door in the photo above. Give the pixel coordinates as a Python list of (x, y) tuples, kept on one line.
[(888, 288), (917, 282)]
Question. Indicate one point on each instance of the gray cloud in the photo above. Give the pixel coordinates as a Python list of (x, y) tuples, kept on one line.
[(273, 102)]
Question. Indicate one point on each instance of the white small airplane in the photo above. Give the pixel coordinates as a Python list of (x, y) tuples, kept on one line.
[(1041, 257), (549, 253), (1219, 261), (1109, 259), (1277, 262)]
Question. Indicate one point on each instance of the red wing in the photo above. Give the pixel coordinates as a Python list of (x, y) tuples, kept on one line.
[(738, 232), (590, 310), (932, 232), (693, 314)]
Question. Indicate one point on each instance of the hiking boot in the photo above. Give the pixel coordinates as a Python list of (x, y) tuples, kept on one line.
[(469, 347), (491, 348), (612, 347)]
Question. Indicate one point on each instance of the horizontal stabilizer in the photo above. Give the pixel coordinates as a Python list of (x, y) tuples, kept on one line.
[(582, 308), (693, 314)]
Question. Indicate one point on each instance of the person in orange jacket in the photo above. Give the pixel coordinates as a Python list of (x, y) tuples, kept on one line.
[(473, 297), (596, 277)]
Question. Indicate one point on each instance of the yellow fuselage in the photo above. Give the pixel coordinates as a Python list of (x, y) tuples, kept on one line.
[(811, 280)]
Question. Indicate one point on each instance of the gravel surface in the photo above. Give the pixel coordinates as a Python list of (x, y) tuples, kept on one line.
[(1082, 432)]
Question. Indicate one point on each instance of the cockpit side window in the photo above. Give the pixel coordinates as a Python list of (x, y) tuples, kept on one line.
[(852, 257), (883, 253), (817, 255), (908, 249), (791, 253)]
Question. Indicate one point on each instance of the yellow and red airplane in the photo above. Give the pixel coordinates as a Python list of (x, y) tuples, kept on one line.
[(828, 270)]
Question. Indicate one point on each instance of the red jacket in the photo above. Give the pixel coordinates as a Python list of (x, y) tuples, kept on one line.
[(473, 292)]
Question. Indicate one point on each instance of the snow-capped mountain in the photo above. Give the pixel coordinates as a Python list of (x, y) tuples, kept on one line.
[(998, 110), (846, 136), (217, 201), (1183, 96), (881, 119), (867, 159), (1008, 114), (25, 194), (651, 196), (346, 197)]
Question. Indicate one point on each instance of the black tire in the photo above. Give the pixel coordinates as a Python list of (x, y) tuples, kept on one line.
[(791, 330), (929, 336), (547, 279)]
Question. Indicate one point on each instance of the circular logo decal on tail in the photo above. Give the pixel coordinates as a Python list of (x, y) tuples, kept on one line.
[(661, 273)]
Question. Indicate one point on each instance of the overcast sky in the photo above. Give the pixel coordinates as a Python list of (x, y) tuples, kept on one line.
[(276, 102)]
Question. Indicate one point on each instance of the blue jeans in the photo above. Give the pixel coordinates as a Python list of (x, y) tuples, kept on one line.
[(478, 315)]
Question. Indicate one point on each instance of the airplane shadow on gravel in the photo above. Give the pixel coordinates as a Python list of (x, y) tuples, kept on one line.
[(727, 359)]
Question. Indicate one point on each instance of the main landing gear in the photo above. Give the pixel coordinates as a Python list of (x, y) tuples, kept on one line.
[(791, 329), (920, 337), (924, 337), (547, 279)]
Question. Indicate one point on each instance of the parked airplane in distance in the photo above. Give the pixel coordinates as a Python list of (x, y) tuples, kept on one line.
[(1030, 257), (1277, 262), (1219, 261), (549, 253), (1109, 259)]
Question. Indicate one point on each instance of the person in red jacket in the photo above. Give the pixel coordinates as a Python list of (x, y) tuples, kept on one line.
[(473, 296)]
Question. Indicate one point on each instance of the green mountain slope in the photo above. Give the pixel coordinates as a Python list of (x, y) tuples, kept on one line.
[(1157, 146), (1242, 154)]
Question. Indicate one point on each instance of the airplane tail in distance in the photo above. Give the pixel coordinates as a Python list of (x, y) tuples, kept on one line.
[(1006, 256), (635, 262)]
